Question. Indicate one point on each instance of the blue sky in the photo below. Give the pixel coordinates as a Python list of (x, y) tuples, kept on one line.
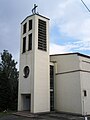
[(69, 24)]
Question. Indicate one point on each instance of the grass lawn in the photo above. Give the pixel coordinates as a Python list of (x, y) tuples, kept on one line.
[(5, 113)]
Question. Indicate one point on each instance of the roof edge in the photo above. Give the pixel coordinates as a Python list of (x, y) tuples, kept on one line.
[(79, 54), (33, 15)]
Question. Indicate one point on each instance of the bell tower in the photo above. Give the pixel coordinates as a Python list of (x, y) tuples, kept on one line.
[(34, 82)]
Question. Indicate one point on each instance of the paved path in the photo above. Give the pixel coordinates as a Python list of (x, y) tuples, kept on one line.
[(49, 116)]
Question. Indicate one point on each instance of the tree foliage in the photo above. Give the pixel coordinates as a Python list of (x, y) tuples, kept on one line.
[(8, 82)]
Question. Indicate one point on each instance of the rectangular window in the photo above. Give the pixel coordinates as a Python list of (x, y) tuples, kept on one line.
[(24, 45), (85, 93), (30, 42), (42, 44), (51, 77), (51, 87), (24, 28), (30, 24)]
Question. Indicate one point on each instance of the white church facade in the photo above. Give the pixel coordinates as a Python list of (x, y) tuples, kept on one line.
[(47, 83)]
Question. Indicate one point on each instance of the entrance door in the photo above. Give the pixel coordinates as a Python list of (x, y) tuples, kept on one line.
[(26, 102)]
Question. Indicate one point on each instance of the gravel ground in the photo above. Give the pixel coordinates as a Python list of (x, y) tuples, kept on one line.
[(50, 116)]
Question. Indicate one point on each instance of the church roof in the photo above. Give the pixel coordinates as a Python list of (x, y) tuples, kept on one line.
[(79, 54), (33, 15)]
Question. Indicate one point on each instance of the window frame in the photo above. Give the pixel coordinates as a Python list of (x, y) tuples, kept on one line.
[(24, 28), (42, 35), (30, 25), (30, 42), (24, 45)]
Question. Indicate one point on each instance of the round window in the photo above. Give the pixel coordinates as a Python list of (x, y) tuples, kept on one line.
[(26, 71)]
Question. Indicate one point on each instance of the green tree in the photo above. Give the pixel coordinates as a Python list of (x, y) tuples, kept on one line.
[(8, 82)]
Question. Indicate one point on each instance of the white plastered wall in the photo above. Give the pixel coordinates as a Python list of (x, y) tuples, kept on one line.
[(26, 59), (85, 84), (68, 96), (41, 73), (67, 84)]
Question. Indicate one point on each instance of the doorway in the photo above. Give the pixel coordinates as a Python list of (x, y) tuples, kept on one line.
[(26, 102)]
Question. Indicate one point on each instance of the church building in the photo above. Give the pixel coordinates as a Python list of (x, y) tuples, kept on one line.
[(59, 82)]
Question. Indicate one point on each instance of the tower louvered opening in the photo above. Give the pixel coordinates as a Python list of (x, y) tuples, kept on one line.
[(42, 43)]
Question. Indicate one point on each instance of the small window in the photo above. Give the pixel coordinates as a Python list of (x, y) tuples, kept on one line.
[(24, 28), (85, 93), (30, 24), (51, 77), (26, 71), (24, 45), (30, 42)]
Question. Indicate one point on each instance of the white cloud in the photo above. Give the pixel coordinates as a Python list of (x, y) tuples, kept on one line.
[(58, 49), (68, 48), (73, 20)]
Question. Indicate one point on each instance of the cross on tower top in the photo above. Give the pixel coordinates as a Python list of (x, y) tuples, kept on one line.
[(34, 9)]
